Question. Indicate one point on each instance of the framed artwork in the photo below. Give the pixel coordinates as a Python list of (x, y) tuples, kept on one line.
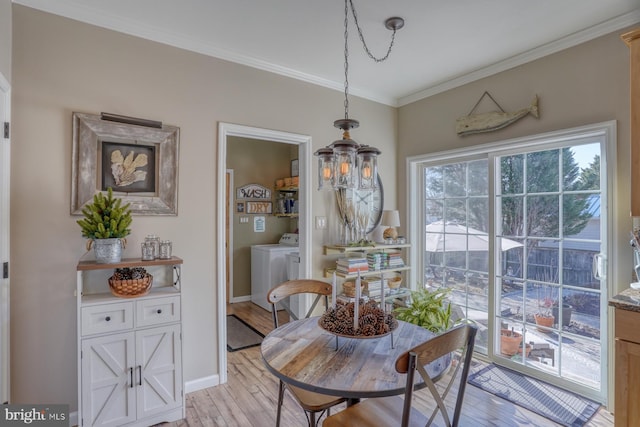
[(294, 167), (128, 166), (139, 163), (240, 207)]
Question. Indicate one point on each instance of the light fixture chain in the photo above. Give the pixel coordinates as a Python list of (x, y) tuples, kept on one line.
[(364, 44), (346, 60)]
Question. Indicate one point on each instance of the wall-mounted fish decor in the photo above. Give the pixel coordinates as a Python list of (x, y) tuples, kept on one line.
[(488, 122)]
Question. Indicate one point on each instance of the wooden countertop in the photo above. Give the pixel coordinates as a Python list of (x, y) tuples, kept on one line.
[(629, 299)]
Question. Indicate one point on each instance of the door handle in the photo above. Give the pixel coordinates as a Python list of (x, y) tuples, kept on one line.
[(140, 375), (131, 377), (599, 267)]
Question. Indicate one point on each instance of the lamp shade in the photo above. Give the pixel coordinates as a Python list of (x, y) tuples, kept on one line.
[(390, 218)]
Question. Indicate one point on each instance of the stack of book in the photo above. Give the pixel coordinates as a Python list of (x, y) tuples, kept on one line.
[(378, 260), (395, 260), (374, 289), (351, 265)]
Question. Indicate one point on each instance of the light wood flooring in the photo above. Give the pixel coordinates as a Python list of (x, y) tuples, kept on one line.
[(249, 397)]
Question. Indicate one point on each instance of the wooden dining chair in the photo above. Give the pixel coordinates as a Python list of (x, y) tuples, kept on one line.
[(394, 411), (312, 403)]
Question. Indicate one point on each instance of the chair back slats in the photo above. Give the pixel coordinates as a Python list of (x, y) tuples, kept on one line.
[(280, 293), (458, 338)]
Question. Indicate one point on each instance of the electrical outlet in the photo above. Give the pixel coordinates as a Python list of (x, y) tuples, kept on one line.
[(321, 222)]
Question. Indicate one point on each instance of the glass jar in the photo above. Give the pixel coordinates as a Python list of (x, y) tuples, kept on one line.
[(147, 251), (165, 249), (155, 241)]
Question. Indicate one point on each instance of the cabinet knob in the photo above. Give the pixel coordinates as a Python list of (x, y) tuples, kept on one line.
[(159, 311), (108, 318)]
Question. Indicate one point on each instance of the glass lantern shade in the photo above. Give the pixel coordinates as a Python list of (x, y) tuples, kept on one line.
[(345, 163), (326, 169), (367, 167)]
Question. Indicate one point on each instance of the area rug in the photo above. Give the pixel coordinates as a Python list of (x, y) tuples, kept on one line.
[(241, 335), (551, 402)]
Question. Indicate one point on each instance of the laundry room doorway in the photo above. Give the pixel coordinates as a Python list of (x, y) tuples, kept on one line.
[(227, 206)]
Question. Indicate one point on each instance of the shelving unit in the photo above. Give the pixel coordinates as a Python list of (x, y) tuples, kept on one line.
[(129, 349), (287, 190), (341, 250), (332, 250)]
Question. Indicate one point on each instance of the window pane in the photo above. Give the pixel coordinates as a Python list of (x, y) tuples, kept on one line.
[(586, 159), (542, 216), (581, 215), (433, 182), (478, 178), (542, 171), (455, 210), (455, 179), (512, 216), (511, 178)]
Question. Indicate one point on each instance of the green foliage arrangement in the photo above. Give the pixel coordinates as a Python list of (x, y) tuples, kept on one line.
[(428, 309), (105, 218)]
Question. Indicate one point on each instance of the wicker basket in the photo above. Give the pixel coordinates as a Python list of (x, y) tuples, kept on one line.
[(394, 282), (349, 288), (131, 288)]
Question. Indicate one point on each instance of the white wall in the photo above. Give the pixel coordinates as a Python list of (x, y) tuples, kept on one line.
[(61, 66)]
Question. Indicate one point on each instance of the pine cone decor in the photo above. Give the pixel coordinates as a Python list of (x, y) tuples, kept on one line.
[(372, 321), (130, 282)]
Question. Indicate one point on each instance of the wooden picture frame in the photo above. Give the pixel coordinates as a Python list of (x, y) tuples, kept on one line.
[(151, 188)]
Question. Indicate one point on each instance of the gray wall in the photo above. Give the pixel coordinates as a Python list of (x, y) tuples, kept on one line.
[(61, 66), (582, 85)]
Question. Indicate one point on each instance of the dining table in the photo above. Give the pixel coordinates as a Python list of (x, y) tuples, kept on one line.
[(303, 354)]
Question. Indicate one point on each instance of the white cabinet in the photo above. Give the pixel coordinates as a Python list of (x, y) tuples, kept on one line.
[(130, 350)]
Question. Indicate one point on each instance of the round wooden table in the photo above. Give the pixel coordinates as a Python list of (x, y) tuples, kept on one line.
[(303, 354)]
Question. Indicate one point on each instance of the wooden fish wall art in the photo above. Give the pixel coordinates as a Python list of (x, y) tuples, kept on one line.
[(488, 122)]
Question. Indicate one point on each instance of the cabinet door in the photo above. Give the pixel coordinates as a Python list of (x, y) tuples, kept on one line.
[(627, 386), (158, 370), (108, 397)]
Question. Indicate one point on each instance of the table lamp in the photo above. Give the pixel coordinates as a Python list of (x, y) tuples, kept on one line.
[(392, 220)]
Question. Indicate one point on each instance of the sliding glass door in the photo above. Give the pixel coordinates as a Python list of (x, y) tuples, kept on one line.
[(550, 202), (514, 232)]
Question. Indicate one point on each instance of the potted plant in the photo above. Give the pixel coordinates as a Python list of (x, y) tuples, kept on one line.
[(510, 342), (427, 308), (544, 317), (106, 223), (566, 312)]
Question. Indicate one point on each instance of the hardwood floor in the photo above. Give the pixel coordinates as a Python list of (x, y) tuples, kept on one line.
[(250, 395)]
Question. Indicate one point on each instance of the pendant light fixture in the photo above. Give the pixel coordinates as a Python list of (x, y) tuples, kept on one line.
[(345, 164)]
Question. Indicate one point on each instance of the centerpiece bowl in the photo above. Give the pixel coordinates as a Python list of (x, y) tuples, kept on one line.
[(372, 321)]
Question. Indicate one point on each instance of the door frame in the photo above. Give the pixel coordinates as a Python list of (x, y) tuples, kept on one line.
[(5, 174), (303, 142)]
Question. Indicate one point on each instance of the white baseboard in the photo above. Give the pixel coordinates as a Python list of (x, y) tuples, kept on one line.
[(245, 298), (202, 383)]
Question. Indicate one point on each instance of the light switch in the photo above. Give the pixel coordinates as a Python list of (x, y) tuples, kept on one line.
[(244, 220), (321, 222)]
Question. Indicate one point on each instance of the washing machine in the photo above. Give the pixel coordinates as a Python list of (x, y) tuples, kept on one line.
[(269, 267)]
